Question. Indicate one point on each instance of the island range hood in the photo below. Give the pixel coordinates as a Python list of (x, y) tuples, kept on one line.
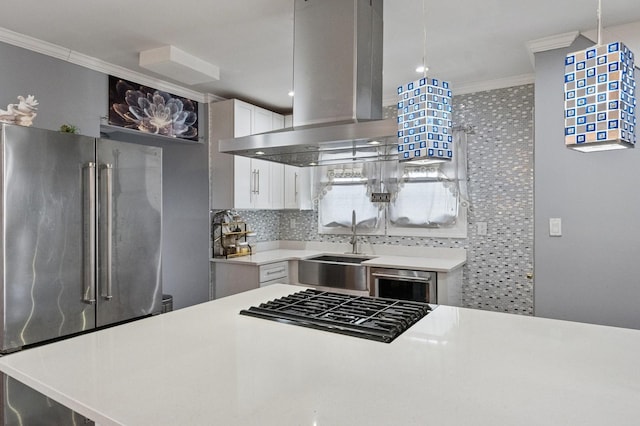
[(337, 73)]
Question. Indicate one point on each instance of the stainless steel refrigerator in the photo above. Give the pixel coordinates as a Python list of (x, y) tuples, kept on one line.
[(80, 238)]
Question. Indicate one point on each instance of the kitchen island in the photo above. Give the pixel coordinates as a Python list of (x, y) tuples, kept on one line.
[(207, 365)]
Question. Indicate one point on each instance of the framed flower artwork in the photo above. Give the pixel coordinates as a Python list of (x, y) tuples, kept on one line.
[(142, 108)]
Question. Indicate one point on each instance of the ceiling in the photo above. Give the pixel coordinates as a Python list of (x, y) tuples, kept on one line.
[(472, 44)]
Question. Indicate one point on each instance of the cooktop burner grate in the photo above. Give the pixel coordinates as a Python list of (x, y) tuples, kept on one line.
[(367, 317)]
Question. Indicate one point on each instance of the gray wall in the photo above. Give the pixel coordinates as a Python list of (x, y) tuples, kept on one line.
[(72, 94), (590, 274), (67, 93)]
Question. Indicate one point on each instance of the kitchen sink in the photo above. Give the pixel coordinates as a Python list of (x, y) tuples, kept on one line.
[(337, 271)]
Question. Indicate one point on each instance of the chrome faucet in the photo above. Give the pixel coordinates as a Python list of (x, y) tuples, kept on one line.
[(354, 237)]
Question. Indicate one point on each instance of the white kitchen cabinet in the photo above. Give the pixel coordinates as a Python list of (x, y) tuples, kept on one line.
[(297, 188), (278, 121), (277, 169), (450, 287), (233, 278), (297, 182), (240, 182), (274, 273)]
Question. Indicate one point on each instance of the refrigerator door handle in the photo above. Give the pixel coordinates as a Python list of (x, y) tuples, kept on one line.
[(89, 232), (106, 177)]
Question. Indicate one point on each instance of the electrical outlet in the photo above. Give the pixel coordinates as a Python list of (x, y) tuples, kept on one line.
[(292, 223)]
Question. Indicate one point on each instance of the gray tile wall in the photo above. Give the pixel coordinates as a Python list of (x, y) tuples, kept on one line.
[(501, 194)]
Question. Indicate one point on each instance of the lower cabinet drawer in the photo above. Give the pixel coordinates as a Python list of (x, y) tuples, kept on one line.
[(275, 272), (276, 281)]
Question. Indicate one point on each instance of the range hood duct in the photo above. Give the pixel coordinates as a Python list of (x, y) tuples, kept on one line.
[(337, 79)]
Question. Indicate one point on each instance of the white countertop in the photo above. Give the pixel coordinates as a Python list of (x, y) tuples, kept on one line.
[(444, 260), (416, 263), (208, 365), (269, 256)]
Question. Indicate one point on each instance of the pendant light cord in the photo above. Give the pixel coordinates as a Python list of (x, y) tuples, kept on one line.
[(599, 22), (424, 39)]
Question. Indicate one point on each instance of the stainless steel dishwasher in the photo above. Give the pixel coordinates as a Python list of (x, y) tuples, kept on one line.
[(404, 284)]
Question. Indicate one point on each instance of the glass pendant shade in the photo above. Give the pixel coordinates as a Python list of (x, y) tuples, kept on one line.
[(424, 121), (599, 98)]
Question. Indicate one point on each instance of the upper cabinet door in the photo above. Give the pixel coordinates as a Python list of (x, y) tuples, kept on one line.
[(297, 188), (261, 191), (262, 121), (243, 174), (253, 179), (242, 119), (277, 121), (277, 170)]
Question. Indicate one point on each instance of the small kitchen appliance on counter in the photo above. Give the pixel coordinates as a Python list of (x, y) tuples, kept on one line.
[(370, 318)]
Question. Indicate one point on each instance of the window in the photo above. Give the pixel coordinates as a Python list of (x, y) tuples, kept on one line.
[(345, 191), (426, 199)]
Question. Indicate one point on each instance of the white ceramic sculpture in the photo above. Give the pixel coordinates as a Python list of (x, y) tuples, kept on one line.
[(21, 113)]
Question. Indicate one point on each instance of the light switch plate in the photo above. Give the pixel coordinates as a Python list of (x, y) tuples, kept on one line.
[(555, 227)]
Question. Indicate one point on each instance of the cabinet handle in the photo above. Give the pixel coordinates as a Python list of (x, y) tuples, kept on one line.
[(252, 189), (295, 186), (401, 278), (258, 181), (275, 271)]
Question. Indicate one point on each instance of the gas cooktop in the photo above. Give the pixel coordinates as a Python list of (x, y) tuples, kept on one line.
[(367, 317)]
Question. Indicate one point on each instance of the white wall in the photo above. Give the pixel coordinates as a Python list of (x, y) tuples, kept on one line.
[(592, 272)]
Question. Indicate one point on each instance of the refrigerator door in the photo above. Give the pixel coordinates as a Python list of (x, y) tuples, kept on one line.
[(129, 231), (46, 251)]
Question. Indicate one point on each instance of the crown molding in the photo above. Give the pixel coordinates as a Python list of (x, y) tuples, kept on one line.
[(553, 42), (86, 61), (33, 44)]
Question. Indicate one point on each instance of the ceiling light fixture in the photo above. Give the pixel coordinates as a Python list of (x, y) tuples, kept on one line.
[(424, 114), (599, 97), (291, 93)]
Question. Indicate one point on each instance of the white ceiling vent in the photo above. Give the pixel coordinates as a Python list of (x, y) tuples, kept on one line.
[(178, 65)]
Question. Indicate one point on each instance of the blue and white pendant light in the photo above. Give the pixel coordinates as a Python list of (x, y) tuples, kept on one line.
[(424, 120), (599, 97), (424, 115)]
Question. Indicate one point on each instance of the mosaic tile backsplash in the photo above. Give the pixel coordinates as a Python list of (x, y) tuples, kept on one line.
[(500, 164)]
